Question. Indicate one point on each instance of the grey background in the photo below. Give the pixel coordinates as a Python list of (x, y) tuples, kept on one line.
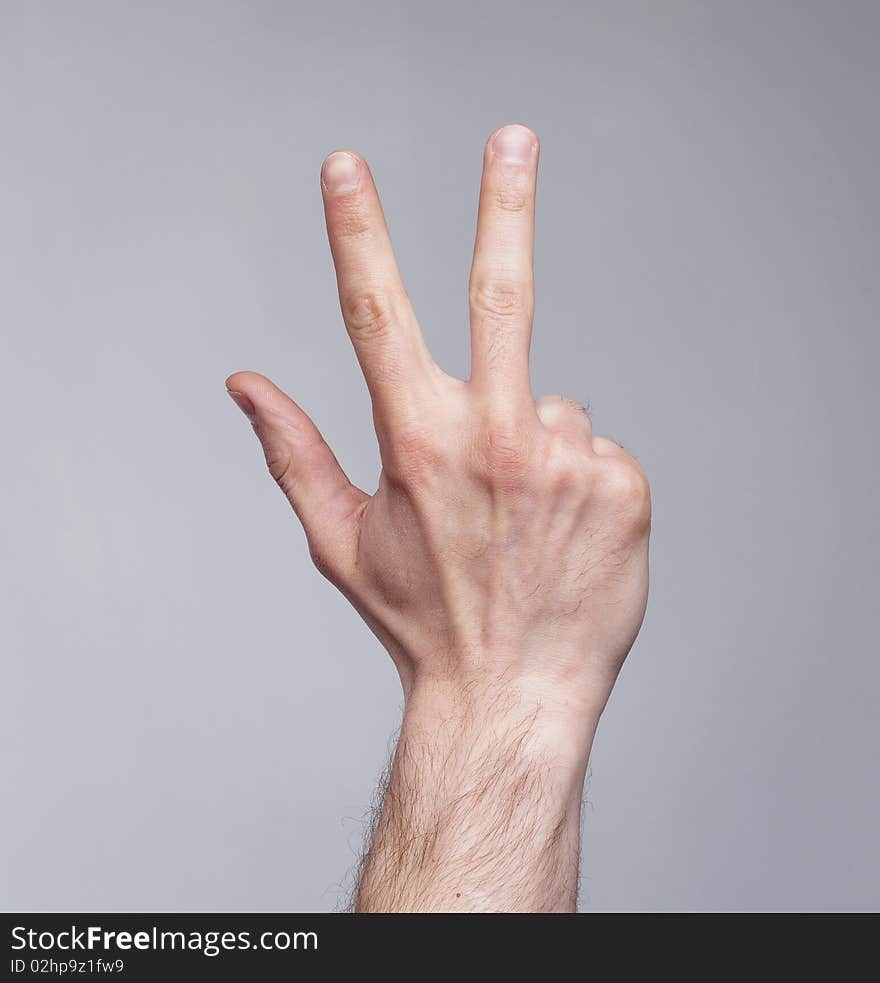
[(192, 718)]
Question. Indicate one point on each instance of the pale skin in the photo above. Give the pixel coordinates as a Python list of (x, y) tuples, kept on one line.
[(502, 561)]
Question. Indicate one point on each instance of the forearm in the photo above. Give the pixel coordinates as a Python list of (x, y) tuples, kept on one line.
[(481, 809)]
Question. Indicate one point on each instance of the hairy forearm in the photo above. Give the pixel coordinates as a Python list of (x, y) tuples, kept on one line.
[(481, 809)]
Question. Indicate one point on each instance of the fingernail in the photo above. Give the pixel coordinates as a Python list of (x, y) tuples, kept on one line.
[(244, 404), (340, 172), (514, 144)]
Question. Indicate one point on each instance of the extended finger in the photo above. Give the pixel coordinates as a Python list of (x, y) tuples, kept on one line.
[(297, 456), (375, 306), (502, 280)]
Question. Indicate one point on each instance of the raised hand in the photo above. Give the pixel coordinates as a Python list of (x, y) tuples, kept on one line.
[(502, 561)]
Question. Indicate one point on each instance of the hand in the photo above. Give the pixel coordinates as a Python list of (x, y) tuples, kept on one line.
[(503, 560)]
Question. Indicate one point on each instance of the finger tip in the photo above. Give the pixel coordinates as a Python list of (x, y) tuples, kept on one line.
[(241, 381), (343, 152), (267, 402), (514, 142), (341, 171), (243, 402), (259, 391)]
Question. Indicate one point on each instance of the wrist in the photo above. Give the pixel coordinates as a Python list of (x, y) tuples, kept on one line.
[(482, 804), (481, 810), (541, 725)]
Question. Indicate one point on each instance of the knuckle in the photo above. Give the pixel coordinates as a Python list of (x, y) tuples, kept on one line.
[(607, 447), (506, 450), (511, 199), (368, 313), (625, 488), (577, 409), (560, 412), (564, 468), (500, 297), (280, 464)]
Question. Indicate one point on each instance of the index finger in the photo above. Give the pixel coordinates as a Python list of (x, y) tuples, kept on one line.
[(375, 307)]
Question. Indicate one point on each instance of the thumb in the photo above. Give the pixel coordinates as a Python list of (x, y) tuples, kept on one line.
[(327, 503)]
